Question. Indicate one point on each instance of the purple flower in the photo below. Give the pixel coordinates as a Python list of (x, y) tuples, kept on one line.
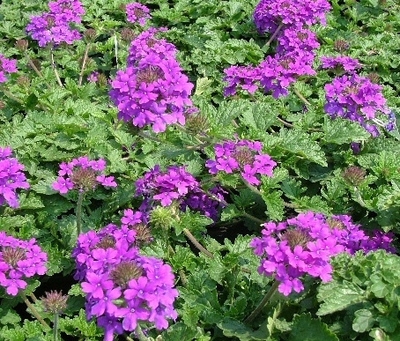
[(54, 27), (304, 245), (123, 288), (11, 178), (269, 14), (6, 66), (357, 99), (136, 12), (243, 156), (82, 174), (152, 90), (339, 63), (19, 260)]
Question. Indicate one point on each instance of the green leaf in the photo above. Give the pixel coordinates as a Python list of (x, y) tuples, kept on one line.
[(363, 321), (236, 329), (337, 296), (341, 131), (306, 328), (275, 205)]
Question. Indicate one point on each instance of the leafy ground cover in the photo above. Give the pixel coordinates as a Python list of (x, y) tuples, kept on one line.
[(199, 170)]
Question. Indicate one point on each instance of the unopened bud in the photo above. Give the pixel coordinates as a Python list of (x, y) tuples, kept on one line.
[(55, 302), (354, 175), (90, 35), (341, 45), (21, 45)]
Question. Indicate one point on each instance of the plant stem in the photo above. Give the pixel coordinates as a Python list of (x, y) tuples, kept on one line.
[(139, 333), (34, 311), (55, 327), (299, 95), (196, 243), (251, 217), (263, 302), (79, 213), (53, 65), (12, 96), (85, 57), (116, 50), (274, 35), (34, 298)]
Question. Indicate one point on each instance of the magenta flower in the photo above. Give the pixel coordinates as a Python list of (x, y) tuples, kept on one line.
[(269, 14), (357, 99), (304, 245), (339, 63), (11, 178), (6, 66), (82, 174), (54, 27), (136, 12), (19, 260), (127, 288), (152, 91), (243, 156)]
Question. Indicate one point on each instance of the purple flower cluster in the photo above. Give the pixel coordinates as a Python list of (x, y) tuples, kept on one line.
[(243, 156), (6, 66), (122, 287), (82, 174), (295, 51), (270, 14), (340, 63), (19, 259), (305, 244), (11, 178), (177, 185), (358, 99), (152, 90), (54, 27), (136, 12)]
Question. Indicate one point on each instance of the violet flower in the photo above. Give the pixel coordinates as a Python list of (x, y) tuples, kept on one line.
[(82, 174), (54, 27), (11, 178), (356, 98), (123, 288), (243, 156), (19, 260), (136, 12), (304, 245), (6, 66)]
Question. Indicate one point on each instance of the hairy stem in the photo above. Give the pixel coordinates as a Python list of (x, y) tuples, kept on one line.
[(263, 302), (79, 213), (299, 95), (274, 35), (200, 247), (85, 58), (139, 333), (34, 311), (55, 327), (53, 65)]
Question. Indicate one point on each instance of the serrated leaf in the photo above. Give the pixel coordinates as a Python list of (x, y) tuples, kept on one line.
[(234, 328), (341, 131), (337, 296), (363, 321), (275, 205), (306, 328)]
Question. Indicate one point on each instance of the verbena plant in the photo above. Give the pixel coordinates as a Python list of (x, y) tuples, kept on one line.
[(199, 170)]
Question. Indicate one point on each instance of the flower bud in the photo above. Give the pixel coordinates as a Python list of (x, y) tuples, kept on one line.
[(341, 45), (55, 302), (354, 175), (127, 34), (90, 35), (125, 272), (21, 45)]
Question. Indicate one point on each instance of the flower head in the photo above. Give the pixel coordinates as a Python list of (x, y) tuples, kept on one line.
[(243, 156), (11, 178), (19, 259), (82, 174), (6, 66), (136, 12)]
